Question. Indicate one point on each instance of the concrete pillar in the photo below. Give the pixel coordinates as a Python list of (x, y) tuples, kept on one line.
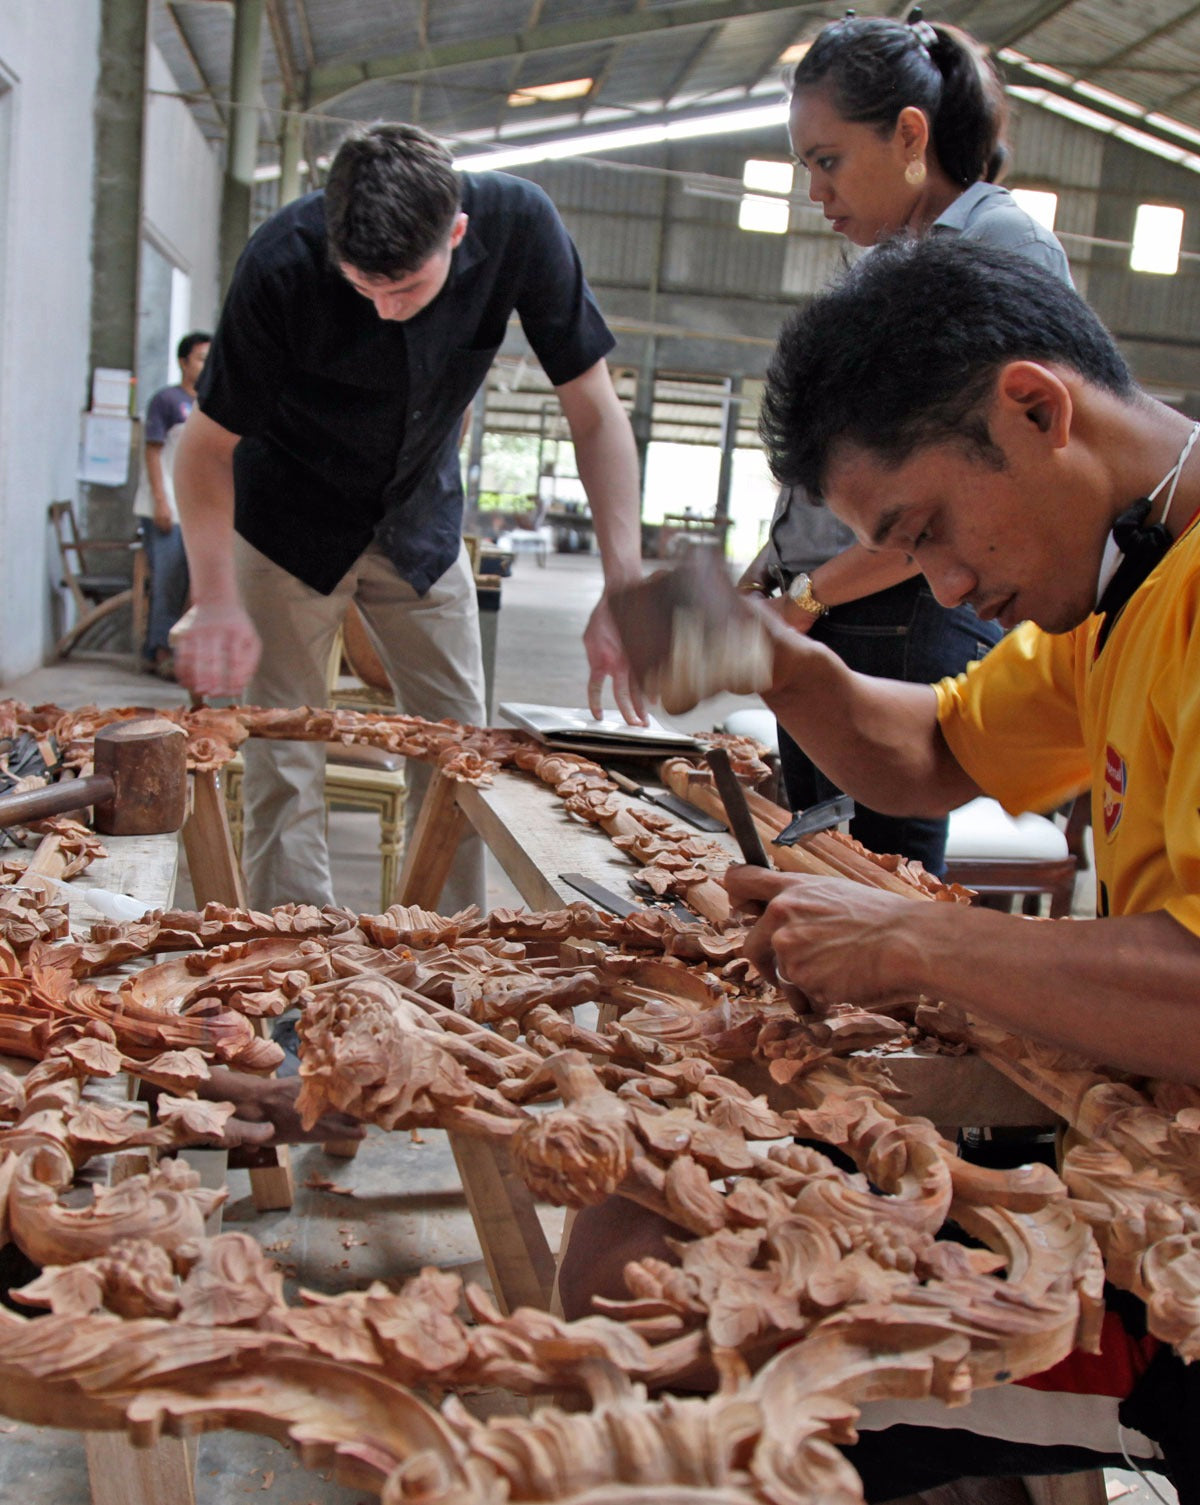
[(241, 156), (291, 150), (729, 428), (117, 227)]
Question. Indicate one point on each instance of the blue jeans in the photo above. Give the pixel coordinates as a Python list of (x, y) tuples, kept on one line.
[(168, 584), (899, 633)]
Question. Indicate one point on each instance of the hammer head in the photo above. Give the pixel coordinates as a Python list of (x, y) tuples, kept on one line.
[(688, 634), (147, 764)]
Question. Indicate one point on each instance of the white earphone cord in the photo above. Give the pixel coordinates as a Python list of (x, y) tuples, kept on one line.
[(1175, 472), (1136, 1467)]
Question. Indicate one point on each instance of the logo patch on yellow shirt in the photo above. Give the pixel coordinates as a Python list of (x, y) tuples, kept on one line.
[(1116, 778)]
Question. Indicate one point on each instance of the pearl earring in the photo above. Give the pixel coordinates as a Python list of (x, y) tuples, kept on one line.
[(914, 173)]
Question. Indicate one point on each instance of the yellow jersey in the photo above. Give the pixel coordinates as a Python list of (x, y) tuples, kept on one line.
[(1045, 716)]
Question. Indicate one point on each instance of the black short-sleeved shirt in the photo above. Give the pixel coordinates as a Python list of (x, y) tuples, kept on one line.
[(350, 423)]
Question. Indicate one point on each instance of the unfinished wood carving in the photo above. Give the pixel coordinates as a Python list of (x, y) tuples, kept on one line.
[(797, 1249), (802, 1288), (469, 753), (805, 1288)]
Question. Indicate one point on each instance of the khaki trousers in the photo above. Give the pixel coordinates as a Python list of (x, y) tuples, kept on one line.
[(430, 647)]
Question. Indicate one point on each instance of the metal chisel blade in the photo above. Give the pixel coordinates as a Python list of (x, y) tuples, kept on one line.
[(598, 894), (816, 818), (666, 799), (741, 822)]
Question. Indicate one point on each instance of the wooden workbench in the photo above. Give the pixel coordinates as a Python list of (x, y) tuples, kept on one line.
[(144, 867), (531, 835), (529, 832)]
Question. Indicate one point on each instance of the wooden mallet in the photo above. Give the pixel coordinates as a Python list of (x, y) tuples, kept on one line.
[(139, 787)]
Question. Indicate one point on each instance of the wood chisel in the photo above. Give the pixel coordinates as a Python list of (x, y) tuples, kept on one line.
[(816, 818), (741, 822), (665, 800)]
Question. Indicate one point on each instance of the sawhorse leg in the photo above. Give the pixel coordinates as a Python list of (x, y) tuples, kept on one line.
[(121, 1474), (440, 827), (518, 1258), (217, 877)]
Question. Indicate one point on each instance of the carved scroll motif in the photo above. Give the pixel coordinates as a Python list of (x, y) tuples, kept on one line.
[(802, 1288)]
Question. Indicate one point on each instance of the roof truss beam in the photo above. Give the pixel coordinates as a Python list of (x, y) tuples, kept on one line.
[(330, 80)]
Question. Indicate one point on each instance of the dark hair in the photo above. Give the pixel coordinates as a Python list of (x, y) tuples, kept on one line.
[(875, 67), (390, 199), (903, 352), (189, 343)]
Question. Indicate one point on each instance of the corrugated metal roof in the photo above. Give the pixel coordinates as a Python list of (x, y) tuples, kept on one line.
[(657, 227), (451, 64)]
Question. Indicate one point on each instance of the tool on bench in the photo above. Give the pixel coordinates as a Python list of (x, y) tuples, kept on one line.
[(816, 818), (665, 800), (674, 907), (615, 904), (111, 906), (139, 787), (600, 895), (741, 822)]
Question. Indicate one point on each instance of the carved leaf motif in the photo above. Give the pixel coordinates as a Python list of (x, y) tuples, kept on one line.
[(232, 1282)]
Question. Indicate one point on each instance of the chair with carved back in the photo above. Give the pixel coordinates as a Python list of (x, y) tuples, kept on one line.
[(90, 570)]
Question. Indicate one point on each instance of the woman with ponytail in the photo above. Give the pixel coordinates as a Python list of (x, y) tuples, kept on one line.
[(900, 126)]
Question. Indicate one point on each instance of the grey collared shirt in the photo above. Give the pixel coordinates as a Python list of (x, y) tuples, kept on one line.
[(804, 536), (989, 213)]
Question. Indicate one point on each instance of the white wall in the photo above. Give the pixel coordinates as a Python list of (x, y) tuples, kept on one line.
[(48, 55), (181, 176)]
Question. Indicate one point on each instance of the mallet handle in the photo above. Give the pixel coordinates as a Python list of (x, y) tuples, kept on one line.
[(54, 799)]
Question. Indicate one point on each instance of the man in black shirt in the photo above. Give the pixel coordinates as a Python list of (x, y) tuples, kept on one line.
[(321, 463)]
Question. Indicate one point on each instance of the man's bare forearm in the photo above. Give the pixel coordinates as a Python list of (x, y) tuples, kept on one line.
[(1121, 992), (857, 572), (607, 459), (154, 475), (204, 496)]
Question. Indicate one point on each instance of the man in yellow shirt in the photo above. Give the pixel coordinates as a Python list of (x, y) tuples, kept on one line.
[(950, 402), (1000, 456)]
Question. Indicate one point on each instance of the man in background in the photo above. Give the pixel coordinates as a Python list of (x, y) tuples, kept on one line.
[(154, 503)]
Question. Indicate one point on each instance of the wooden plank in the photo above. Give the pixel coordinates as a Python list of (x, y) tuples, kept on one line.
[(121, 1474), (529, 832), (272, 1185), (439, 829), (536, 885), (519, 1260), (144, 867), (212, 1166), (217, 876), (212, 863)]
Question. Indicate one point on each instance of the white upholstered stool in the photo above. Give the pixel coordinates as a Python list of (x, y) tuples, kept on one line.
[(1000, 855)]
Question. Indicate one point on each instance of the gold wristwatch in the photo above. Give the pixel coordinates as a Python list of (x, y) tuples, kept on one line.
[(801, 592)]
